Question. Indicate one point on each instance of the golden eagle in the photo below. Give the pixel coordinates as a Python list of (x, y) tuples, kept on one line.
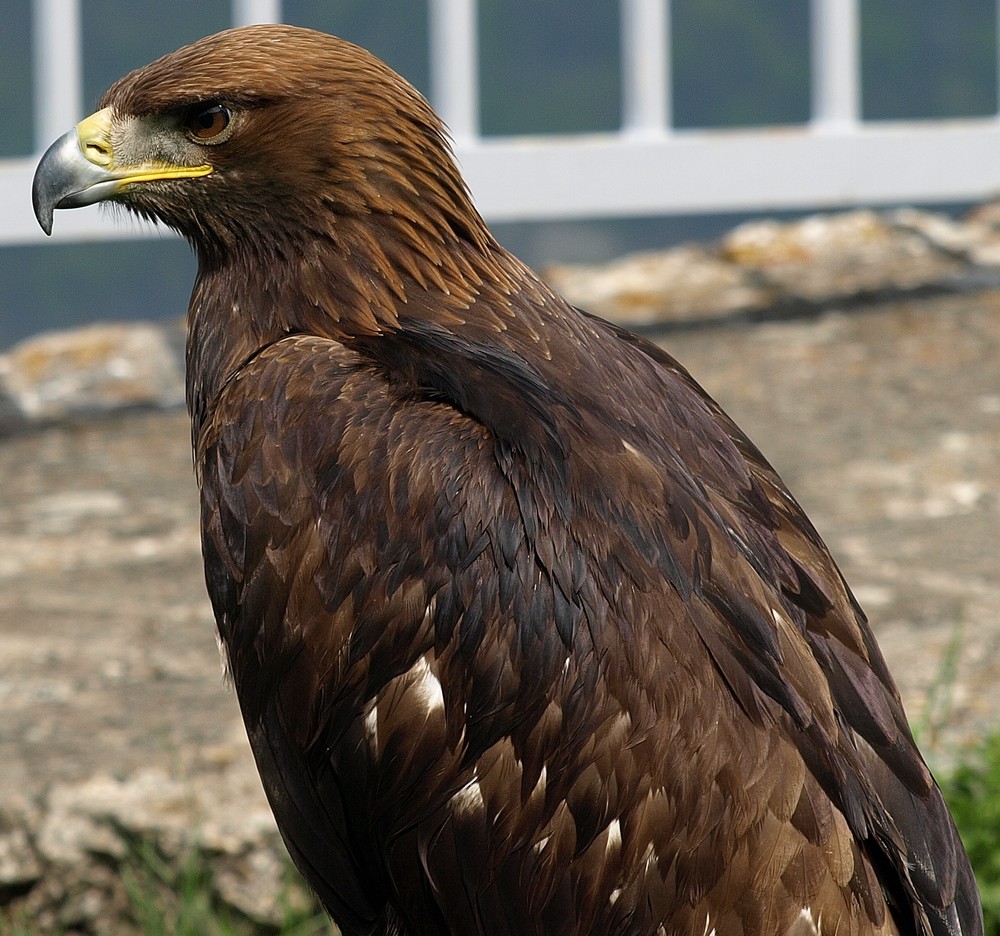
[(527, 635)]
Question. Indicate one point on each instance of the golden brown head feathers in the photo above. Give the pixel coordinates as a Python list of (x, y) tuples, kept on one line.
[(315, 117), (331, 157)]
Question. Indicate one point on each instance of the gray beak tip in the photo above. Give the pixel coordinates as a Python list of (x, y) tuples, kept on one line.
[(43, 213), (53, 179), (64, 178)]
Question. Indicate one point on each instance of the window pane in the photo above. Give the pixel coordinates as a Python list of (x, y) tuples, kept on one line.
[(740, 64), (928, 59), (395, 30), (549, 66), (16, 101), (69, 285), (120, 37)]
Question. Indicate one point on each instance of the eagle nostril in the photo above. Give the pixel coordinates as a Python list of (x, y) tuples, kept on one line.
[(97, 152)]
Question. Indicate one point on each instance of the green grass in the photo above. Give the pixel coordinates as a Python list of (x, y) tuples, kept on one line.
[(969, 779), (939, 700), (16, 924), (177, 897), (972, 790)]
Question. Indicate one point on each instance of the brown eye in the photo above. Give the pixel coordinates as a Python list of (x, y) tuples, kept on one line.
[(207, 121)]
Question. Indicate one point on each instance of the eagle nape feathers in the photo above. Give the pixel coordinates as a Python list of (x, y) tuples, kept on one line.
[(528, 637)]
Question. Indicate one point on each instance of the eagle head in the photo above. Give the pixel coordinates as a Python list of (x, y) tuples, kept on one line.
[(262, 128)]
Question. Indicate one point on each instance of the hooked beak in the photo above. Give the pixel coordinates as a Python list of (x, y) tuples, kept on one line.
[(80, 169)]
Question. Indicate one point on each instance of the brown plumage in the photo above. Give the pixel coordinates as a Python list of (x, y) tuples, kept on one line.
[(527, 635)]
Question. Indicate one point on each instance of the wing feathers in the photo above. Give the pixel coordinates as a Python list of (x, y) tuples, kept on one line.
[(478, 652)]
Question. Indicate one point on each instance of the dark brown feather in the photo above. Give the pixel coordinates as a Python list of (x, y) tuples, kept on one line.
[(528, 637)]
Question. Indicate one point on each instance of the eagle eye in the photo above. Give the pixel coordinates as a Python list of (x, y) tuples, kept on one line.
[(208, 123)]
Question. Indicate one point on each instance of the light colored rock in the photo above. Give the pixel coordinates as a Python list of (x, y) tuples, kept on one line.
[(233, 816), (683, 283), (769, 243), (760, 264), (948, 234), (974, 238), (257, 884), (988, 214), (221, 811), (824, 257), (19, 864), (93, 370), (84, 819)]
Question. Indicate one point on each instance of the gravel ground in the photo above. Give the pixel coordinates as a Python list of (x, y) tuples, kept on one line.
[(885, 422)]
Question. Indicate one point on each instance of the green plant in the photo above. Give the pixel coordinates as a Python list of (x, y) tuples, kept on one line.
[(177, 898), (936, 711), (169, 900), (972, 791), (17, 924)]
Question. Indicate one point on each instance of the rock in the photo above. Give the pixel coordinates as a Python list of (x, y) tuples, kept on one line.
[(822, 258), (222, 811), (88, 899), (19, 864), (673, 285), (258, 884), (218, 815), (818, 260), (84, 820), (90, 371), (973, 239), (987, 214)]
